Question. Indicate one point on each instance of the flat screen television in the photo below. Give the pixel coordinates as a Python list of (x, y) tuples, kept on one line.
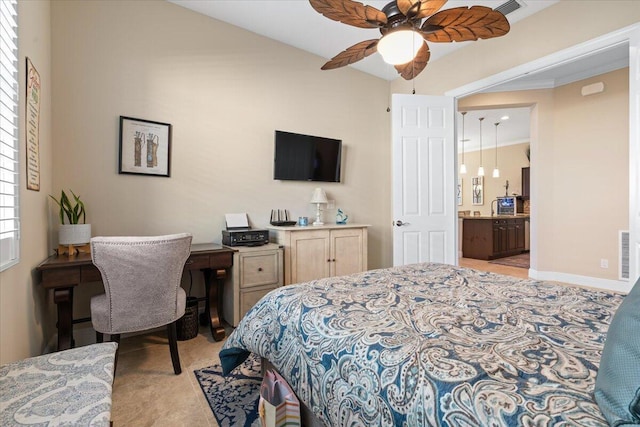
[(306, 158)]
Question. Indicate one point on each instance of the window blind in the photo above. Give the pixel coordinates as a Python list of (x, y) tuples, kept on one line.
[(9, 165)]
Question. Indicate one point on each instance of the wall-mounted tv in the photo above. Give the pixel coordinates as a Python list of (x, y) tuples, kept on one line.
[(306, 158)]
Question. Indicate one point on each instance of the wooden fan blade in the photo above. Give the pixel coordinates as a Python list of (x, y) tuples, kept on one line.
[(350, 12), (352, 54), (463, 24), (419, 8), (411, 69)]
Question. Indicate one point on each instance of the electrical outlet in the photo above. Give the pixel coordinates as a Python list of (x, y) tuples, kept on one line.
[(604, 263), (331, 204)]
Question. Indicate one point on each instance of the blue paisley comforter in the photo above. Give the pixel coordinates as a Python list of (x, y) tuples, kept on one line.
[(433, 345)]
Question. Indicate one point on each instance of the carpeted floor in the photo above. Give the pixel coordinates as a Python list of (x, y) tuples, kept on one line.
[(521, 261), (233, 399)]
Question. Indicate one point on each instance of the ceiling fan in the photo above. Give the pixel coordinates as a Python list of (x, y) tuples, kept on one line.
[(401, 24)]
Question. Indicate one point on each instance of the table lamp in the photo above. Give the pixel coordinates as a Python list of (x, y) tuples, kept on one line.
[(319, 197)]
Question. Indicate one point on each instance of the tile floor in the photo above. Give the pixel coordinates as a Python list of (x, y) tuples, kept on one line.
[(147, 393), (522, 273)]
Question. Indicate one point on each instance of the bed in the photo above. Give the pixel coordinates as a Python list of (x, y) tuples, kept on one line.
[(433, 344)]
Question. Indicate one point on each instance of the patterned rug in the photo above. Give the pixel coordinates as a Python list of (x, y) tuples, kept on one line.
[(233, 399), (521, 261)]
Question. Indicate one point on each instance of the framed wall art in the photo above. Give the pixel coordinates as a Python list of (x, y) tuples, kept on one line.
[(459, 193), (145, 147), (476, 187)]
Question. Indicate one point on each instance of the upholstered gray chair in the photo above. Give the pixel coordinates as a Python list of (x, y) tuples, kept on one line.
[(141, 277)]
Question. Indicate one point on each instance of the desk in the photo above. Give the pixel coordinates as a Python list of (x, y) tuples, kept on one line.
[(63, 273)]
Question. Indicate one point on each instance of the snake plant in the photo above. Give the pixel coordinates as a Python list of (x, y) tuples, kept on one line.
[(73, 211)]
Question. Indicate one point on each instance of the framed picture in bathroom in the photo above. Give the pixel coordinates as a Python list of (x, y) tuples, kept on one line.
[(477, 190)]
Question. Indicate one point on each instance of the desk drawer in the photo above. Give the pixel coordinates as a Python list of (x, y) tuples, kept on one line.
[(214, 261), (259, 269), (90, 273), (61, 277), (221, 260), (195, 262)]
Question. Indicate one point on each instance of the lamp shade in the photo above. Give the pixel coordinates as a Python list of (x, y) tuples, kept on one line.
[(319, 196), (400, 46)]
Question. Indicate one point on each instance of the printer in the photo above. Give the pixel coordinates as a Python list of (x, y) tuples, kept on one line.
[(239, 233)]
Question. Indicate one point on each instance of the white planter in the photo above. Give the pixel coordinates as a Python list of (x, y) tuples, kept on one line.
[(74, 234)]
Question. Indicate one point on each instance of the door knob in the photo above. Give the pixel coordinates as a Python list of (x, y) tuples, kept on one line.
[(400, 223)]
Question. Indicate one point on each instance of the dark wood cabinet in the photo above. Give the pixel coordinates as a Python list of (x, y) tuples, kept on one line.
[(520, 236), (525, 182), (490, 238)]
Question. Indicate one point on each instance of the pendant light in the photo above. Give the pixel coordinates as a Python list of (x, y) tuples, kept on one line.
[(481, 169), (496, 171), (463, 167)]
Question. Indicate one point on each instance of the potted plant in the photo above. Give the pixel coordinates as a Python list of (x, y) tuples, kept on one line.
[(75, 231)]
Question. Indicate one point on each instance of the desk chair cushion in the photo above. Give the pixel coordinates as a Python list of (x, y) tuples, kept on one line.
[(141, 277)]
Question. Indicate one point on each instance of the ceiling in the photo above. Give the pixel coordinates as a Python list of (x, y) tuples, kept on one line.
[(514, 130), (296, 23)]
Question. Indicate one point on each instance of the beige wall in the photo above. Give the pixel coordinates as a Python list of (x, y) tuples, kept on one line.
[(579, 172), (592, 138), (225, 91), (511, 160), (26, 313)]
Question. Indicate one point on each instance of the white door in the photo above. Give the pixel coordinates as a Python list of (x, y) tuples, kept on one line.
[(424, 162)]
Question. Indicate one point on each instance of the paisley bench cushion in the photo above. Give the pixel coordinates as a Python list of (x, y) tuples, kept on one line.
[(70, 387)]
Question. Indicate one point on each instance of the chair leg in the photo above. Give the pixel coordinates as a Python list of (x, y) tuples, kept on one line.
[(173, 347), (99, 337)]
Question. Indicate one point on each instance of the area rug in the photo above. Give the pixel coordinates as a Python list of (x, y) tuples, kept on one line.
[(521, 261), (234, 398)]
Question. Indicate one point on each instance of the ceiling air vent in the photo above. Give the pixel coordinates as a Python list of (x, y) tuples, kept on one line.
[(509, 6)]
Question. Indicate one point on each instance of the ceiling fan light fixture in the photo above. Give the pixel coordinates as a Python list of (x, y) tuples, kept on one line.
[(400, 46)]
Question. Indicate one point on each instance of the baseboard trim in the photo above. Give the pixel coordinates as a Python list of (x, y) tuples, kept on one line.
[(585, 281)]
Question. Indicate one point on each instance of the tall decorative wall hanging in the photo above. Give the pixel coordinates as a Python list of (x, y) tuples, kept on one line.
[(32, 129)]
